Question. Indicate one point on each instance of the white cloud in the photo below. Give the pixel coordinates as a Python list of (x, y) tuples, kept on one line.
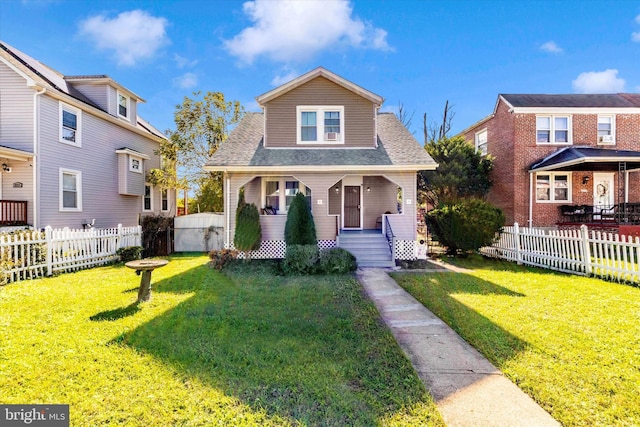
[(599, 82), (290, 30), (284, 78), (186, 81), (638, 19), (551, 47), (183, 62), (635, 36), (133, 35)]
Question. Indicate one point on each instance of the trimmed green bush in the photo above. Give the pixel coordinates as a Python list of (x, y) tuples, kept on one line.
[(466, 225), (300, 228), (337, 261), (248, 231), (301, 259), (220, 258), (130, 253)]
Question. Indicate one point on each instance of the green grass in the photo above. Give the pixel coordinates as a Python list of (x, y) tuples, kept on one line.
[(247, 347), (571, 342)]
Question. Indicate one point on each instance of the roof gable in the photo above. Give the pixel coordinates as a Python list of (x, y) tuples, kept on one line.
[(319, 72)]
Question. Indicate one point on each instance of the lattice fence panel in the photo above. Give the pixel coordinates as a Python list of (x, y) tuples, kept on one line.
[(405, 249), (275, 249)]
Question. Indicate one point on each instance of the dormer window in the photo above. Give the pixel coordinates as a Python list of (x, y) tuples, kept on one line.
[(123, 106), (320, 124)]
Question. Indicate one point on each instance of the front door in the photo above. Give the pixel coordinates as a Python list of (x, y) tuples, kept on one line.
[(603, 198), (352, 206)]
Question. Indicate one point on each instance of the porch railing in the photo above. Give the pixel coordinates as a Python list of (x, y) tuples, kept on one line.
[(388, 233), (13, 212), (623, 213)]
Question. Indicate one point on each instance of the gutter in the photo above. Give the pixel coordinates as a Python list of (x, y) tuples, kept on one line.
[(35, 165)]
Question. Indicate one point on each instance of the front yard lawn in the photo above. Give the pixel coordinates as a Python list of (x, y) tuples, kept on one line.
[(571, 342), (246, 348)]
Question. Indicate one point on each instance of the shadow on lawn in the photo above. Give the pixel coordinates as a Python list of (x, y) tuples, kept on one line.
[(293, 347), (438, 292), (117, 313)]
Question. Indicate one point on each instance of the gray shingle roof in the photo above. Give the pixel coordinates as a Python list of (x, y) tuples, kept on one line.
[(396, 147), (627, 100)]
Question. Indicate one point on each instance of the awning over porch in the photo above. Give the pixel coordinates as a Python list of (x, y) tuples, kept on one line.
[(14, 154), (587, 159)]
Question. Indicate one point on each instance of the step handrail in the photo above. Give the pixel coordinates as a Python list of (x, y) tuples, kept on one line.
[(388, 234)]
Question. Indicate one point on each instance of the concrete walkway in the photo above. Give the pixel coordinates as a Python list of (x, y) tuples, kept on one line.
[(468, 390)]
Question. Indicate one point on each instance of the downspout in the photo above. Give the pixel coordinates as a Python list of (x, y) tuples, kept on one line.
[(227, 244), (530, 222), (34, 160)]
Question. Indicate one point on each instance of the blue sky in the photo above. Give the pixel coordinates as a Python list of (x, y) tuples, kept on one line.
[(418, 53)]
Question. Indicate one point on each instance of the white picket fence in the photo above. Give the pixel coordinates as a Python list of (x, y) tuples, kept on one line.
[(606, 255), (30, 254)]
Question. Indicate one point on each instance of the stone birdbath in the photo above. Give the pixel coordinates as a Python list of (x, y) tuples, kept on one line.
[(145, 266)]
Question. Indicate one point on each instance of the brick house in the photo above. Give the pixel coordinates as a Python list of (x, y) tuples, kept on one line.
[(563, 158)]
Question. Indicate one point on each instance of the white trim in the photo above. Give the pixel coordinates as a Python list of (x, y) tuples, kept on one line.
[(150, 197), (612, 117), (78, 113), (282, 190), (552, 177), (133, 153), (127, 106), (30, 81), (78, 176), (320, 132)]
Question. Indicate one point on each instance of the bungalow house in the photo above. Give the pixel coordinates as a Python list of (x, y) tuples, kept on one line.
[(73, 150), (563, 159), (324, 136)]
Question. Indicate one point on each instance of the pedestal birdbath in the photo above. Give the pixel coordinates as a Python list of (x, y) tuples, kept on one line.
[(145, 266)]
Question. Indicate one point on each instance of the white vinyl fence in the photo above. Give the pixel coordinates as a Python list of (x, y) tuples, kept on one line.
[(606, 255), (30, 254)]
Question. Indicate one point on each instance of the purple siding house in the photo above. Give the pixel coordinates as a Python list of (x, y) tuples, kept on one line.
[(73, 149)]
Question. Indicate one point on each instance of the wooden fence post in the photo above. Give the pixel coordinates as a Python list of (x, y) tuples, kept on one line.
[(586, 250), (47, 237), (516, 233), (120, 239)]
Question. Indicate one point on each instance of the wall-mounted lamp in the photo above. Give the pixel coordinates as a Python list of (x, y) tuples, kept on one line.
[(368, 189), (585, 180), (6, 168), (337, 189)]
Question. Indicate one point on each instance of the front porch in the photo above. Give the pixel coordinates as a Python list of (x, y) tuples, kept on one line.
[(13, 212)]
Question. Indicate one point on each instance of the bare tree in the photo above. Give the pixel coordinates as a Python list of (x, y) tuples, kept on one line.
[(434, 131), (404, 116)]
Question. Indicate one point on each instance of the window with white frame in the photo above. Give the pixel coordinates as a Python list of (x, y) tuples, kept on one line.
[(135, 164), (606, 129), (123, 105), (279, 201), (553, 129), (481, 142), (70, 190), (553, 187), (164, 194), (320, 124), (70, 125), (147, 199)]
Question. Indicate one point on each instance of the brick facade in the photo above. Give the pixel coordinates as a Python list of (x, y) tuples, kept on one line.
[(511, 141)]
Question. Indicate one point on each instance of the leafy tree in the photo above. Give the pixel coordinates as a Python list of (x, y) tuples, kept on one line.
[(466, 225), (300, 228), (462, 172), (202, 124)]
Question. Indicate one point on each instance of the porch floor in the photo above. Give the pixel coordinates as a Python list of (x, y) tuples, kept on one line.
[(368, 231)]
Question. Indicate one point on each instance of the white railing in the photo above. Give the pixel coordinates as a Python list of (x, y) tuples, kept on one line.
[(30, 254), (607, 255)]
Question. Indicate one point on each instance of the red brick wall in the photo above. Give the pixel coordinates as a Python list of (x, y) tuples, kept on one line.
[(512, 142)]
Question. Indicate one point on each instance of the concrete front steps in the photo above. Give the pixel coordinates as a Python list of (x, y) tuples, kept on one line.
[(371, 249)]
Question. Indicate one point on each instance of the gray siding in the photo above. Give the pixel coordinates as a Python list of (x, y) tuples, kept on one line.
[(96, 93), (98, 162), (16, 110), (281, 114)]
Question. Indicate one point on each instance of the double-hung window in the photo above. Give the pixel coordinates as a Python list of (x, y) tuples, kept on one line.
[(481, 142), (123, 106), (135, 164), (280, 201), (606, 129), (69, 125), (147, 200), (553, 187), (70, 185), (320, 124), (553, 129)]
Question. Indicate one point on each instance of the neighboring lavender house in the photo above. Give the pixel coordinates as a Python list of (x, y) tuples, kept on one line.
[(323, 136), (73, 149)]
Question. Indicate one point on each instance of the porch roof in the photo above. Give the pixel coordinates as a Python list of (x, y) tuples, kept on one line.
[(14, 154), (587, 159), (396, 149)]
